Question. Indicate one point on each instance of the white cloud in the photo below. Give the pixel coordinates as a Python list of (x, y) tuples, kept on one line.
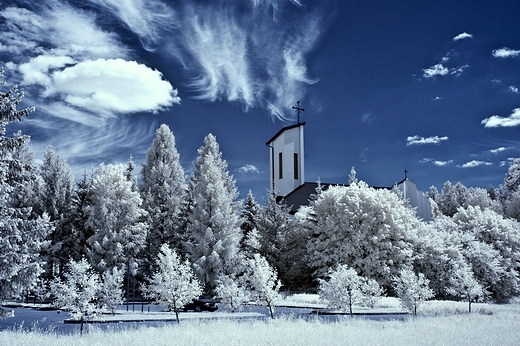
[(474, 163), (36, 71), (113, 85), (367, 118), (248, 169), (436, 98), (499, 150), (435, 70), (505, 53), (498, 121), (412, 140), (514, 89), (457, 71), (437, 162), (462, 36)]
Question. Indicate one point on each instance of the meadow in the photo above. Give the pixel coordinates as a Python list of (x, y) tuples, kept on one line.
[(439, 323)]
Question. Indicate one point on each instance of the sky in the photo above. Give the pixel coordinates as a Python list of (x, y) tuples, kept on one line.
[(432, 87)]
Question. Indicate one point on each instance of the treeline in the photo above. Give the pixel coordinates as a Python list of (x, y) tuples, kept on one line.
[(113, 224)]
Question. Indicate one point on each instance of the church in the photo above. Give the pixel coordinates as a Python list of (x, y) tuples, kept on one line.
[(287, 172)]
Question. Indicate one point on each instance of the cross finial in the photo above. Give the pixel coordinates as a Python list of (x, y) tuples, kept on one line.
[(298, 110), (405, 173)]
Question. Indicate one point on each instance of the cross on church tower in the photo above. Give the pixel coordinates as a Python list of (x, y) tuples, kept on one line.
[(405, 173), (298, 110)]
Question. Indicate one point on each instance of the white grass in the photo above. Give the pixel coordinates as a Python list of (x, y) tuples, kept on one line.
[(444, 323)]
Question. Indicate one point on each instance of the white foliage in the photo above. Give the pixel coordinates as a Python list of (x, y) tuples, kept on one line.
[(367, 229), (115, 218), (111, 290), (78, 292), (342, 290), (371, 292), (412, 289), (463, 285), (263, 283), (213, 231), (173, 284), (232, 292)]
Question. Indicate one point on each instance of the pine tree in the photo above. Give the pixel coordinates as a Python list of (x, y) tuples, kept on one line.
[(56, 196), (250, 240), (116, 220), (164, 192), (213, 231), (22, 233)]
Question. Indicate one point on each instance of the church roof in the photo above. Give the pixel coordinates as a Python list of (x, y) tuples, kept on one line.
[(284, 129)]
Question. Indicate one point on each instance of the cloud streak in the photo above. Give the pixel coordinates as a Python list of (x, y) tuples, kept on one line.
[(462, 36), (474, 163), (418, 140)]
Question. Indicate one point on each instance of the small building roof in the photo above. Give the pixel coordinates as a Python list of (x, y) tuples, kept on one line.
[(284, 129)]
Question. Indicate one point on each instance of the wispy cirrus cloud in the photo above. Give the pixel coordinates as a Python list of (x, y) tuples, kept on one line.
[(462, 36), (418, 140), (475, 163), (505, 53), (499, 150), (498, 121)]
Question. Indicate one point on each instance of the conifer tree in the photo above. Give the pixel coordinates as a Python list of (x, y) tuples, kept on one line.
[(213, 230), (22, 233), (164, 192), (116, 220)]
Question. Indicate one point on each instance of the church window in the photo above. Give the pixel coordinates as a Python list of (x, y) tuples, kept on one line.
[(295, 166), (280, 166)]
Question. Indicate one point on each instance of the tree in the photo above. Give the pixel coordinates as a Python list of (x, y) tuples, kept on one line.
[(263, 283), (343, 289), (174, 283), (116, 220), (371, 292), (22, 233), (164, 191), (232, 292), (78, 292), (213, 231), (366, 229), (412, 289), (463, 285), (512, 178), (249, 215), (56, 199), (111, 290)]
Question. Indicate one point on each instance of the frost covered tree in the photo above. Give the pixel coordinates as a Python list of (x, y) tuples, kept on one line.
[(412, 289), (343, 288), (371, 293), (366, 229), (491, 245), (512, 178), (232, 292), (463, 285), (213, 230), (250, 243), (111, 289), (22, 233), (116, 220), (164, 191), (263, 283), (78, 292), (56, 199), (173, 284)]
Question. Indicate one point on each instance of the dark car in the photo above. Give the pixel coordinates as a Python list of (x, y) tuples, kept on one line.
[(201, 304)]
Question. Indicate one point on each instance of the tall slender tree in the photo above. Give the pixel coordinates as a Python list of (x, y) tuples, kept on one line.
[(214, 217), (22, 233), (164, 192)]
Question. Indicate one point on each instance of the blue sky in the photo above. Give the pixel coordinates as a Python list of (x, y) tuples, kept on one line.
[(428, 86)]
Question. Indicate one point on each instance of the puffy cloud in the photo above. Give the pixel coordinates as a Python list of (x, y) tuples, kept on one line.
[(462, 36), (474, 163), (514, 89), (413, 140), (435, 70), (248, 169), (498, 121), (505, 53), (113, 85)]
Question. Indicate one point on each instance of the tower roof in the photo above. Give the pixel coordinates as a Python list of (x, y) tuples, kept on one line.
[(283, 130)]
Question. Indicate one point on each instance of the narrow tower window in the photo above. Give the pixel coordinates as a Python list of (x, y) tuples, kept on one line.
[(295, 166), (280, 166)]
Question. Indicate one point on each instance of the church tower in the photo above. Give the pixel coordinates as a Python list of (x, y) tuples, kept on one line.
[(287, 159)]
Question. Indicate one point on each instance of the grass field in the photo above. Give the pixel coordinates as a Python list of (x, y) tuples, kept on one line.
[(441, 323)]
